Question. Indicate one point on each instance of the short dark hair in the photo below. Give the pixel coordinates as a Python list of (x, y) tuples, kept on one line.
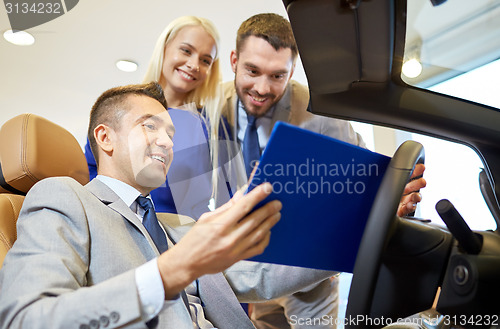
[(273, 28), (112, 105)]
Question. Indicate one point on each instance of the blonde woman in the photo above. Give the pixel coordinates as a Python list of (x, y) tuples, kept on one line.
[(185, 62)]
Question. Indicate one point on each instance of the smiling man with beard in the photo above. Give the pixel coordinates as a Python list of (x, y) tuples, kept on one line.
[(263, 93)]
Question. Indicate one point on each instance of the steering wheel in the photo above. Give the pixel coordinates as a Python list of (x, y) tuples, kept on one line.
[(376, 235)]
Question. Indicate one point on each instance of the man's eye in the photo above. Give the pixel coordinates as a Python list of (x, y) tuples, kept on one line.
[(149, 126)]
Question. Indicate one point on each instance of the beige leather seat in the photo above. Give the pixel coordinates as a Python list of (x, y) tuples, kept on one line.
[(31, 149)]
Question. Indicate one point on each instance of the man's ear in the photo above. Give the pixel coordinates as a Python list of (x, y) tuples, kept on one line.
[(234, 60), (104, 136)]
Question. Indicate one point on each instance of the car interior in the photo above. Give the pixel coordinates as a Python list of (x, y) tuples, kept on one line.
[(353, 53), (32, 148)]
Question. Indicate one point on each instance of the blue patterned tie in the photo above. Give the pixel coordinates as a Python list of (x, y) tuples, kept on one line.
[(251, 148), (151, 224)]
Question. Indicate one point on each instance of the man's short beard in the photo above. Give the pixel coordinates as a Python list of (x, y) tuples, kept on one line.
[(258, 115)]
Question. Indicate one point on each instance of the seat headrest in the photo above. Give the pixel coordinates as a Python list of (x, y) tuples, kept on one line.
[(33, 148)]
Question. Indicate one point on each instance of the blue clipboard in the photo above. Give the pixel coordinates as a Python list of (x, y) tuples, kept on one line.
[(327, 188)]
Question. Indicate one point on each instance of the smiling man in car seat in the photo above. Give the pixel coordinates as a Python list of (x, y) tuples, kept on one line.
[(98, 256)]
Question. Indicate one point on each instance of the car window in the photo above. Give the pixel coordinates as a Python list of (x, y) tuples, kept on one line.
[(453, 48), (452, 172)]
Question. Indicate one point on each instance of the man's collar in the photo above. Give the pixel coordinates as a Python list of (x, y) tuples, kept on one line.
[(126, 192)]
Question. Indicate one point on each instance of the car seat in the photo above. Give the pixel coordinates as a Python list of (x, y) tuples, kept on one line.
[(32, 148)]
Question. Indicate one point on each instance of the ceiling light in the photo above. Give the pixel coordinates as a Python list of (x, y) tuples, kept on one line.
[(19, 38), (412, 68), (126, 66)]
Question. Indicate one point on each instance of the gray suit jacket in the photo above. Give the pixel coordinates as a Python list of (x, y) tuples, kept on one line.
[(74, 264)]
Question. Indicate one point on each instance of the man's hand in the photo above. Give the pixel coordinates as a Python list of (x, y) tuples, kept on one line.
[(411, 195), (219, 239)]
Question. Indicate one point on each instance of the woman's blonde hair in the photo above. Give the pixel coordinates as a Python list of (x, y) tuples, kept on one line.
[(207, 96)]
